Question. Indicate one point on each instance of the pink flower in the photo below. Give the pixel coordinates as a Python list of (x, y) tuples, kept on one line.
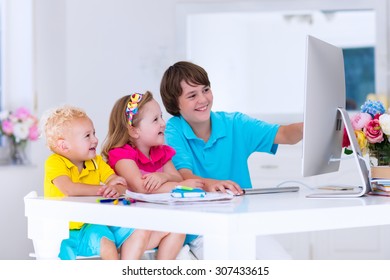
[(22, 113), (20, 125), (360, 120), (7, 127), (373, 132), (33, 133)]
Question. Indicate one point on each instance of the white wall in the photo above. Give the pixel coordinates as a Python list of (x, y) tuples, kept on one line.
[(101, 50), (247, 60)]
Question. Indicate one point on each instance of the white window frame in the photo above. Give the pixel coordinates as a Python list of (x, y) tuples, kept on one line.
[(17, 59)]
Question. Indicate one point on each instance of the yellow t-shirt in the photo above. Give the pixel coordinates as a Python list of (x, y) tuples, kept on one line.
[(95, 172)]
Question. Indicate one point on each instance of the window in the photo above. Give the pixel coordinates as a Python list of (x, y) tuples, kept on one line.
[(359, 75)]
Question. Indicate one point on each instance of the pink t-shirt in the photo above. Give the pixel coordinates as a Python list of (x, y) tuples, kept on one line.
[(159, 155)]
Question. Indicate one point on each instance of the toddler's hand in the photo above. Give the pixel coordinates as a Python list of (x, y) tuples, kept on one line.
[(117, 180), (108, 191), (114, 187)]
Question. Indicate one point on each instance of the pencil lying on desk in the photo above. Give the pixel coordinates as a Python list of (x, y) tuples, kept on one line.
[(108, 200), (116, 200)]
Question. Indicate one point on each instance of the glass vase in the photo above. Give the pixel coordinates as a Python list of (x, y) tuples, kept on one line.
[(18, 153), (380, 163), (379, 157)]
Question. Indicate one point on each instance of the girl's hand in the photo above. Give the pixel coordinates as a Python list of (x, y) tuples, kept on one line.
[(193, 183), (153, 181), (224, 185)]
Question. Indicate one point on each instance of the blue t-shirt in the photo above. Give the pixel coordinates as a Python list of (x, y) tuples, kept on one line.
[(234, 137)]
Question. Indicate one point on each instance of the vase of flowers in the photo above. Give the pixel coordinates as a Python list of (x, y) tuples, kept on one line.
[(18, 128), (372, 131)]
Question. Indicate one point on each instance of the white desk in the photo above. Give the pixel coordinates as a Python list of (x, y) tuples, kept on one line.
[(229, 229)]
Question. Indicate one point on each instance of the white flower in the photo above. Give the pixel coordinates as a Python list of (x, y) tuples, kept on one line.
[(30, 121), (21, 131), (384, 122), (4, 115)]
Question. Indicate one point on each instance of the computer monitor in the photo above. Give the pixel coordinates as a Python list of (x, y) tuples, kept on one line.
[(325, 117)]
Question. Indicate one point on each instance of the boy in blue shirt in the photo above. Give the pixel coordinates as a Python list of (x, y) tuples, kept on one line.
[(214, 146), (210, 144)]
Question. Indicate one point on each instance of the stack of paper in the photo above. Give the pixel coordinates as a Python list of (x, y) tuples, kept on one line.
[(167, 198), (380, 187)]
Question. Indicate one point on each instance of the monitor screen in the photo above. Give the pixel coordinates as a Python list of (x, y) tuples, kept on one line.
[(324, 114)]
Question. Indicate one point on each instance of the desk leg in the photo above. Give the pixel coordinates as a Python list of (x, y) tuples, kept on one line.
[(229, 247), (47, 235)]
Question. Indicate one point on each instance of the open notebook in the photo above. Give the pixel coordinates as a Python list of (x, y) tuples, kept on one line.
[(167, 198)]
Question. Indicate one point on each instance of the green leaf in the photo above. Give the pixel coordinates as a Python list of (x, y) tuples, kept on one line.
[(348, 151)]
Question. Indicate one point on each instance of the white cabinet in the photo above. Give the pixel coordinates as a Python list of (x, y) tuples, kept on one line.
[(285, 168), (353, 244), (17, 181), (269, 170)]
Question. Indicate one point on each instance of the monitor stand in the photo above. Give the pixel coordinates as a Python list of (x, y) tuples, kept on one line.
[(360, 162)]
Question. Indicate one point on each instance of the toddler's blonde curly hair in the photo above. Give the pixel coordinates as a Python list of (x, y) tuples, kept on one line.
[(56, 121)]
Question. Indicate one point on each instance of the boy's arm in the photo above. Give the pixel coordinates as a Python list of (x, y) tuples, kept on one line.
[(289, 134), (169, 186), (212, 185), (171, 172)]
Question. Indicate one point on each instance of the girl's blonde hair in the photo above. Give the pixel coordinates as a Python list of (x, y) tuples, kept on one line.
[(118, 127), (56, 121)]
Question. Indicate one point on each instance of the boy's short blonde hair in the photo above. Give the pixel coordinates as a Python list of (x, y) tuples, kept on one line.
[(56, 121)]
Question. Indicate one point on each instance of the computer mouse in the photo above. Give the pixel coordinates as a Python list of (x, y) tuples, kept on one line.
[(230, 192)]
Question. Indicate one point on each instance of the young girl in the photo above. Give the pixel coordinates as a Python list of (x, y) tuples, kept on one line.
[(135, 149), (74, 169)]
